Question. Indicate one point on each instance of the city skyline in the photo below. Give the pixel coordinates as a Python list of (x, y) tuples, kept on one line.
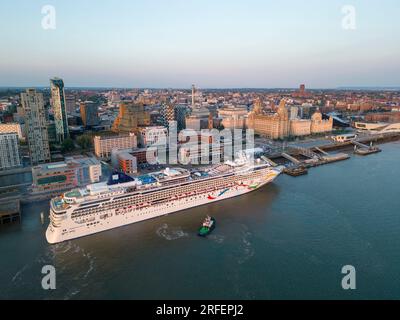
[(257, 44), (188, 88), (199, 150)]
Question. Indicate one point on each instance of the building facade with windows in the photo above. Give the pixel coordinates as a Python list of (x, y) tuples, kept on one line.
[(149, 136), (35, 126), (198, 118), (130, 117), (89, 114), (73, 172), (103, 145), (70, 101), (124, 161), (233, 117), (167, 114), (59, 108), (9, 152), (12, 127), (273, 126), (318, 125), (180, 111)]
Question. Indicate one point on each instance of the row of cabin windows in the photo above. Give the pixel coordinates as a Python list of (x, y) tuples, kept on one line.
[(190, 188), (203, 188)]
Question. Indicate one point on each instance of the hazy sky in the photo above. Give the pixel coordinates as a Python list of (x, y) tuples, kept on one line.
[(212, 43)]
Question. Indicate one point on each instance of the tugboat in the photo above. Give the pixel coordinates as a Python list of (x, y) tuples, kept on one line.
[(207, 227)]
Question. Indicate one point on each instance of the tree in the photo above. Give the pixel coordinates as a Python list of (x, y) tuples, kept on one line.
[(68, 145), (84, 141)]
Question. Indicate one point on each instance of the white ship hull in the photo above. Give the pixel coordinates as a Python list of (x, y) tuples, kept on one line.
[(70, 229)]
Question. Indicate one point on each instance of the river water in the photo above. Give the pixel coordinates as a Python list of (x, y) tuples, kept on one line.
[(288, 240)]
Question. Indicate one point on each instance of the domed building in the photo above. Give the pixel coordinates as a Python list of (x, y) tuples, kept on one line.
[(318, 125), (272, 126), (233, 117)]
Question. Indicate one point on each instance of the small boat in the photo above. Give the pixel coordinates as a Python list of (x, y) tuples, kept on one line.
[(207, 226)]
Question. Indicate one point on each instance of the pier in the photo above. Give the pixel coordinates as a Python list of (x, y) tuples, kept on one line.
[(322, 151), (297, 159), (365, 140), (297, 167), (363, 150), (290, 158), (273, 164)]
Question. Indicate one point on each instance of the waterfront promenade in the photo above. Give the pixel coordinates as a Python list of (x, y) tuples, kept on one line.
[(307, 153)]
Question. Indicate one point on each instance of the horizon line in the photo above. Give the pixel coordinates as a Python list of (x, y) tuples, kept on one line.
[(211, 88)]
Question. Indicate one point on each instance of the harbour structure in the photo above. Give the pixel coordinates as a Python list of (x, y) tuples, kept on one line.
[(123, 200), (73, 172), (378, 127), (363, 150)]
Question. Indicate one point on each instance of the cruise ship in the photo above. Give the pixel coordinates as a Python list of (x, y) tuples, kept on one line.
[(124, 200)]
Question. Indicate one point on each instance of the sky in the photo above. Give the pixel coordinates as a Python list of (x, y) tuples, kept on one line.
[(211, 43)]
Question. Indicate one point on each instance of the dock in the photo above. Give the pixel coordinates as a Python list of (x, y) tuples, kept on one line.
[(367, 151), (272, 163), (335, 157), (301, 159), (290, 158), (298, 159), (10, 212), (295, 171), (363, 150), (321, 151)]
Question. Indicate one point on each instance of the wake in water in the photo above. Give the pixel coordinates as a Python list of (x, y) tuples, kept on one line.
[(217, 238), (170, 233), (64, 257), (17, 276), (245, 247)]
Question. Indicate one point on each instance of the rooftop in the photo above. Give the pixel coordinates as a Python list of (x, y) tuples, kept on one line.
[(72, 161)]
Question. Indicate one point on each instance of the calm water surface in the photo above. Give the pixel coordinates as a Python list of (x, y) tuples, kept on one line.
[(288, 240)]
